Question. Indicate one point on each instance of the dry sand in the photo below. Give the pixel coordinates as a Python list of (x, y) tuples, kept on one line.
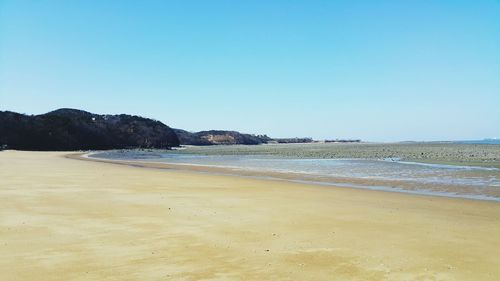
[(67, 219)]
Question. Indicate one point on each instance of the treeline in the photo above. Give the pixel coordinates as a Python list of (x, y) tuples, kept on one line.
[(71, 129)]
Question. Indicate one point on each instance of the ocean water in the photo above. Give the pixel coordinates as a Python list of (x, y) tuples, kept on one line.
[(386, 174)]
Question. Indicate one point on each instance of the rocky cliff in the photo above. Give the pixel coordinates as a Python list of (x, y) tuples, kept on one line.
[(218, 137)]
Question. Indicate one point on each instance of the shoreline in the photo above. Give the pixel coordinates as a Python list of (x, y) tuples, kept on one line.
[(457, 163), (335, 182)]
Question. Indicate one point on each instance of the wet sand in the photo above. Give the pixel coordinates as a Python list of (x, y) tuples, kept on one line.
[(67, 219)]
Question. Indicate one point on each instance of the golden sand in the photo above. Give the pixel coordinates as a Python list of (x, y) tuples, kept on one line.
[(67, 219)]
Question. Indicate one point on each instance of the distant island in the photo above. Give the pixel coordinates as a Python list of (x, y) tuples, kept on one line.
[(483, 141)]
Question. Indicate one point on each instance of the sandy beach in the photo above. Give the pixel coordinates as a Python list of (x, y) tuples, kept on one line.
[(68, 219)]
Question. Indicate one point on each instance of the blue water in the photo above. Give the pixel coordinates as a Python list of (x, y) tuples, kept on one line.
[(455, 181)]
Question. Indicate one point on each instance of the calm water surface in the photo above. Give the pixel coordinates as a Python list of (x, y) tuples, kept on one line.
[(389, 174)]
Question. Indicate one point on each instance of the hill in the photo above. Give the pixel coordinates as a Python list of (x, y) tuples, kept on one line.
[(483, 141), (72, 129), (219, 137)]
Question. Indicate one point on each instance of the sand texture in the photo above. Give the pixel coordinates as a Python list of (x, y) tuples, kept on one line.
[(67, 219)]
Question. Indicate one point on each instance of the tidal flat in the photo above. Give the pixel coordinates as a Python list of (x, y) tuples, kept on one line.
[(486, 155)]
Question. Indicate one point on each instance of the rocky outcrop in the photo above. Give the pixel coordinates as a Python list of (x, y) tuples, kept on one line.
[(218, 137), (71, 129), (293, 140)]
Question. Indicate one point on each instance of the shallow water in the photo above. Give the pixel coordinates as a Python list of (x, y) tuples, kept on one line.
[(388, 174)]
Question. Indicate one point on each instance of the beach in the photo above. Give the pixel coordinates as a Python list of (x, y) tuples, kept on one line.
[(66, 219)]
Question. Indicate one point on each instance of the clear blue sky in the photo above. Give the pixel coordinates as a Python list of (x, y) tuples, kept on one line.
[(375, 70)]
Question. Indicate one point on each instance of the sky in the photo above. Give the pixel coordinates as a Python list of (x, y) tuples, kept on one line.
[(370, 70)]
